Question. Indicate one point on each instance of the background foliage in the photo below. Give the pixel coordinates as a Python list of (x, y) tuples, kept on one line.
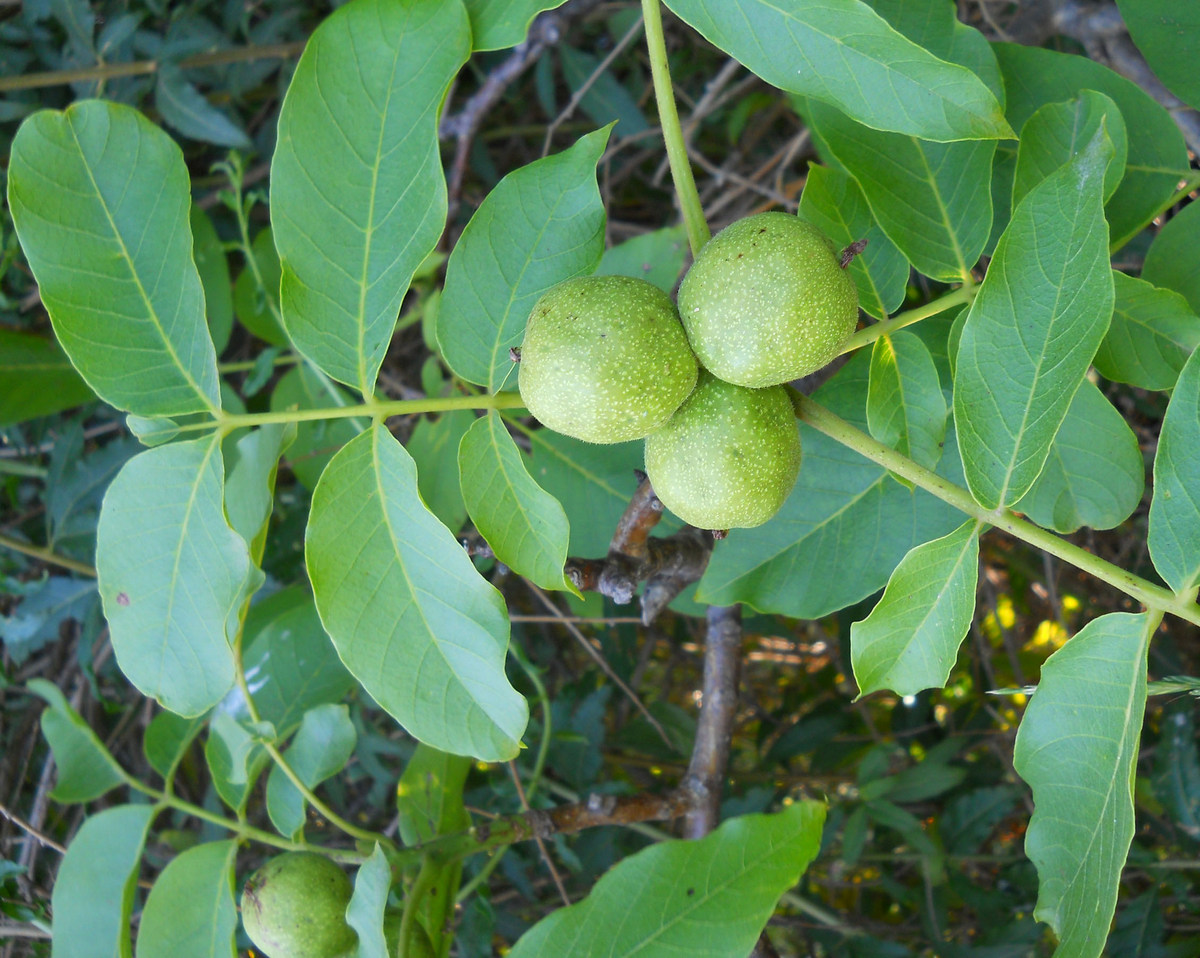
[(929, 792)]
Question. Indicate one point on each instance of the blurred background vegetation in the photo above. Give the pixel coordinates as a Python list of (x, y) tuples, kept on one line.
[(923, 852)]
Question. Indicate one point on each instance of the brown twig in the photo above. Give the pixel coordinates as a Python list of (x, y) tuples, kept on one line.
[(597, 810), (667, 565), (546, 30), (714, 730)]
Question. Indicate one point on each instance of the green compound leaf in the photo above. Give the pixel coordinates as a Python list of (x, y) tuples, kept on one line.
[(411, 618), (96, 882), (542, 224), (213, 268), (1153, 333), (910, 640), (1173, 260), (844, 513), (1165, 32), (173, 574), (190, 912), (499, 24), (1156, 157), (101, 197), (290, 664), (235, 759), (1076, 747), (38, 378), (525, 525), (167, 739), (250, 481), (708, 898), (429, 798), (86, 769), (1039, 317), (358, 199), (833, 201), (931, 199), (1059, 131), (906, 408), (1174, 533), (320, 749), (257, 307), (433, 445), (1094, 475), (846, 55), (657, 257), (365, 912)]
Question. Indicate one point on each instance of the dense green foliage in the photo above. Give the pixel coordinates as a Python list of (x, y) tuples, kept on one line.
[(286, 566)]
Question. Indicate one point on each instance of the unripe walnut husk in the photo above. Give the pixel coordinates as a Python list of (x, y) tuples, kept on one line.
[(728, 458), (605, 359), (295, 907), (767, 301)]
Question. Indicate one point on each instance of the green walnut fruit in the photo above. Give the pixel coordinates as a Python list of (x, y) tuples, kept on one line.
[(767, 301), (295, 907), (605, 359), (728, 458)]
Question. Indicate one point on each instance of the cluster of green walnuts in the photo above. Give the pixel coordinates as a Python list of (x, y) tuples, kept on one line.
[(609, 359)]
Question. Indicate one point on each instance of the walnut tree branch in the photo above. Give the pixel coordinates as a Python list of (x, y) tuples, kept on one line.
[(667, 565), (714, 730)]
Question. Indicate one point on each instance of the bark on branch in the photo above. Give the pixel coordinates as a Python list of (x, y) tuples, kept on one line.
[(667, 565)]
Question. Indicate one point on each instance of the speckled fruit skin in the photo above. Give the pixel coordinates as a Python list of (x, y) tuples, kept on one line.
[(295, 907), (605, 359), (728, 458), (767, 301)]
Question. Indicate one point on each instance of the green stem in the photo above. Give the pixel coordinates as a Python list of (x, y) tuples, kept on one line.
[(46, 555), (864, 337), (1151, 595), (240, 829), (287, 359), (425, 880), (668, 116), (377, 409), (277, 757)]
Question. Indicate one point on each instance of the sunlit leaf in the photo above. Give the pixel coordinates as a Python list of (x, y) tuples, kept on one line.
[(1057, 132), (171, 574), (542, 224), (1174, 533), (190, 912), (358, 198), (1153, 333), (910, 640), (905, 405), (1094, 475), (834, 201), (113, 260), (1035, 76), (410, 616), (708, 898), (846, 55), (86, 769), (1077, 746), (525, 525), (95, 885), (1038, 319)]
